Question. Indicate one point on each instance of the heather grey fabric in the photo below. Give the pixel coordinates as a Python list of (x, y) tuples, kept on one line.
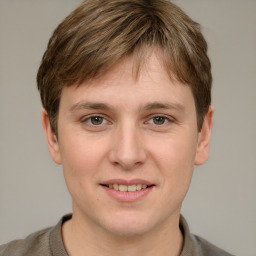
[(48, 242), (197, 246)]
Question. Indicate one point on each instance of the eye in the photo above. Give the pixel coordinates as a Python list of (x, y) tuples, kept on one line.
[(95, 120), (159, 120)]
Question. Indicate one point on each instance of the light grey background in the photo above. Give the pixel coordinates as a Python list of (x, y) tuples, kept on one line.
[(221, 204)]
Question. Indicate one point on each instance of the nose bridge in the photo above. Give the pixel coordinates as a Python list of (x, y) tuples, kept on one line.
[(128, 150)]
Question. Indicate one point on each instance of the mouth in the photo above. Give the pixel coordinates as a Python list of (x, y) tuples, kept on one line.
[(127, 191), (127, 188)]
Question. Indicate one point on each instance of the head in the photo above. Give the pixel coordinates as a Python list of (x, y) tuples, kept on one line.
[(100, 33), (126, 89)]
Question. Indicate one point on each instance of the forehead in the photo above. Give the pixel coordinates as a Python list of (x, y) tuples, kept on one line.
[(124, 85)]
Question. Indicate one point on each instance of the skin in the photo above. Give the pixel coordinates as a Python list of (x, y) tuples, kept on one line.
[(144, 128)]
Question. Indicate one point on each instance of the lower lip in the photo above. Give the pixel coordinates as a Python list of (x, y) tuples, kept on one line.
[(128, 196)]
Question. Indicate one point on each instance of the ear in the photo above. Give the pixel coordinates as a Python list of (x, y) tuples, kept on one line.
[(204, 138), (52, 141)]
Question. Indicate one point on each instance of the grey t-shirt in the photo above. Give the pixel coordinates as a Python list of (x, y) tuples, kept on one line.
[(48, 242)]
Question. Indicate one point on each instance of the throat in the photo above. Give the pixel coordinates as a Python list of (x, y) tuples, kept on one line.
[(79, 238)]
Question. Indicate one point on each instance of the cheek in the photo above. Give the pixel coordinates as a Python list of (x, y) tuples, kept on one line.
[(174, 158), (82, 157), (80, 168), (174, 151)]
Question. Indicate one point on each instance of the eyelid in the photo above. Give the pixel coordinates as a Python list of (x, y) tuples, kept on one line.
[(169, 118), (86, 118)]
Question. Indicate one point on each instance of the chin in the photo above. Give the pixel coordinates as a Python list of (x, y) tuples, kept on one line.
[(129, 225), (128, 230)]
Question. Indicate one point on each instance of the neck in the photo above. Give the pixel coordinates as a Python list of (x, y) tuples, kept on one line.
[(79, 237)]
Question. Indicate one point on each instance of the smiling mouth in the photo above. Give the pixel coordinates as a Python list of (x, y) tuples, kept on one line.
[(127, 188)]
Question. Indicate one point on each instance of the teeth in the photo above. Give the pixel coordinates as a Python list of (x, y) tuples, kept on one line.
[(138, 187), (125, 188), (132, 188)]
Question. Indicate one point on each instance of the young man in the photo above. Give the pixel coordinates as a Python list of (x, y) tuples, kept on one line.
[(126, 93)]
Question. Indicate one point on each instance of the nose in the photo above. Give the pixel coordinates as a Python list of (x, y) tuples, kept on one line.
[(127, 149)]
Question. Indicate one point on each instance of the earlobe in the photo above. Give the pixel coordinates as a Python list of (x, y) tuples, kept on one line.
[(52, 141), (204, 138)]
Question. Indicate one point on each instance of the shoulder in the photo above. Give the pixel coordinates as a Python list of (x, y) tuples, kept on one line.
[(47, 242), (197, 246), (35, 244), (207, 248)]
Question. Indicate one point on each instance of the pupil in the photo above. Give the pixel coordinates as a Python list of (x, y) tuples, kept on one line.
[(96, 120), (159, 120)]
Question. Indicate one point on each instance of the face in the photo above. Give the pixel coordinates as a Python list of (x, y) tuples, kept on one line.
[(128, 147)]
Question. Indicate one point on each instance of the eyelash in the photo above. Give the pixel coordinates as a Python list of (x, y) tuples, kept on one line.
[(150, 120), (88, 120), (166, 120)]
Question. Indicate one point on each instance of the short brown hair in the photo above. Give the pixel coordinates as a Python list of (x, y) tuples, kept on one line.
[(99, 33)]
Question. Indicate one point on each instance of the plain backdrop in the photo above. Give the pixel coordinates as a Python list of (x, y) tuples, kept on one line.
[(221, 204)]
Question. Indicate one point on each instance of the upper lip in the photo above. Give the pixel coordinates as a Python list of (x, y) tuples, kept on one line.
[(127, 182)]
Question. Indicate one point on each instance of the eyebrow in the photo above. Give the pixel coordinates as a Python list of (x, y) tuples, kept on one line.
[(103, 106), (89, 105), (160, 105)]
